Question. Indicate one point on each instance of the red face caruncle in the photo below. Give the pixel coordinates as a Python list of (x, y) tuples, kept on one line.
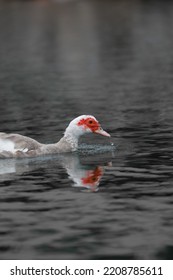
[(90, 123)]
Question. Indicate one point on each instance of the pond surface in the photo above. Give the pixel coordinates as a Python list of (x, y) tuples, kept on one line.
[(111, 59)]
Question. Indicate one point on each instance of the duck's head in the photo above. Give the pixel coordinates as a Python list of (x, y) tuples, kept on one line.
[(84, 124)]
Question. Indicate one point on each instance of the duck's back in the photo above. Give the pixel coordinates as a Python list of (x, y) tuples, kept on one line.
[(17, 143)]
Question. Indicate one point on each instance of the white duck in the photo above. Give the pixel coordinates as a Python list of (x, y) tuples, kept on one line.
[(15, 145)]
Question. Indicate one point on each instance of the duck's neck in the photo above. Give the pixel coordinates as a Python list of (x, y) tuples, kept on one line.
[(72, 141), (72, 135)]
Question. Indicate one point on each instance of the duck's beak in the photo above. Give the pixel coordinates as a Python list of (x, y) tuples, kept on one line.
[(102, 132)]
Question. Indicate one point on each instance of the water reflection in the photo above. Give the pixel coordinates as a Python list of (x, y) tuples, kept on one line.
[(82, 175), (87, 176)]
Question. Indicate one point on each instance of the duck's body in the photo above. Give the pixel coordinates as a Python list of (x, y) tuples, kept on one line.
[(16, 145)]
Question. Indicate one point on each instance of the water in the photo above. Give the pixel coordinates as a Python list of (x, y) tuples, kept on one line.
[(112, 59)]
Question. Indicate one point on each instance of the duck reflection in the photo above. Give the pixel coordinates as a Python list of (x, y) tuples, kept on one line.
[(87, 176), (92, 178), (84, 172)]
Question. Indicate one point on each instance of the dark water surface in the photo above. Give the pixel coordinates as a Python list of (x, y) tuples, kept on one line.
[(112, 59)]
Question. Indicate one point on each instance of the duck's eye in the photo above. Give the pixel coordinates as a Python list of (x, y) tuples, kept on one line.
[(90, 122)]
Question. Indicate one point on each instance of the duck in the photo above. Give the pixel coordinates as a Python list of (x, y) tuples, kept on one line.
[(19, 146)]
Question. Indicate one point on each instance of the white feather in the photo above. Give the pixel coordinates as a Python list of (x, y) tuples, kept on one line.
[(6, 145)]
